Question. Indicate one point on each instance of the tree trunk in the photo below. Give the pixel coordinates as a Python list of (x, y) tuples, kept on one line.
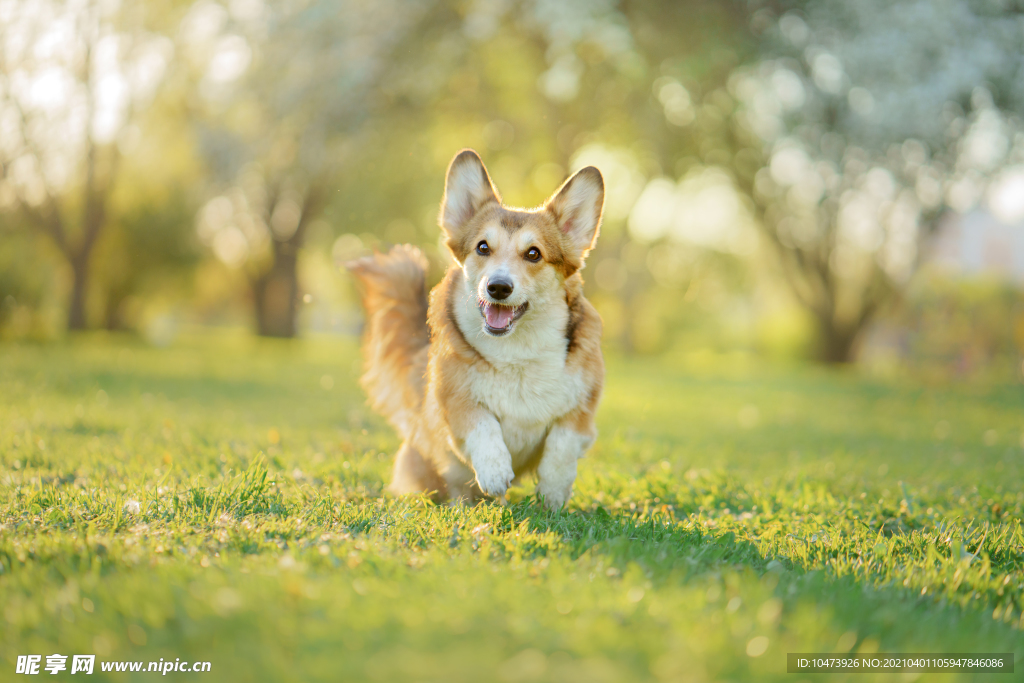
[(276, 294), (836, 343), (79, 285), (114, 319)]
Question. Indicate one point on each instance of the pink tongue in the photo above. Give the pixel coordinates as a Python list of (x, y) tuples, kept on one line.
[(498, 317)]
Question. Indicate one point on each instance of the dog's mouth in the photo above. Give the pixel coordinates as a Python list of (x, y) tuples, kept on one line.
[(499, 318)]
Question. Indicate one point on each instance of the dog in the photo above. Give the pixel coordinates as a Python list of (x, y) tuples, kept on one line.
[(499, 373)]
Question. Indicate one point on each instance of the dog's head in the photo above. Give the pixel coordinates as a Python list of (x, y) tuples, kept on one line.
[(517, 258)]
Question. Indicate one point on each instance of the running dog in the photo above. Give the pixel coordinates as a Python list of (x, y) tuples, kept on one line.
[(499, 372)]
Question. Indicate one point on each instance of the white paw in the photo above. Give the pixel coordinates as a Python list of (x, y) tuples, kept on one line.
[(493, 471)]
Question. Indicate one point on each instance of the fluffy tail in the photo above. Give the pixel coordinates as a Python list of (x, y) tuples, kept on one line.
[(395, 347)]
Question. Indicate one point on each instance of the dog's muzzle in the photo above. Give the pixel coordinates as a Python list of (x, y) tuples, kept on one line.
[(499, 318)]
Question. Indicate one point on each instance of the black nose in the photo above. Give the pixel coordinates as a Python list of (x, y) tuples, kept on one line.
[(499, 289)]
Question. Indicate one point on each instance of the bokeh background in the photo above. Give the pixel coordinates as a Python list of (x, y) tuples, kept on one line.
[(837, 181)]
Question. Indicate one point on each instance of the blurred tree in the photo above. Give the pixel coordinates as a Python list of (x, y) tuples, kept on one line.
[(856, 127), (73, 80), (286, 95)]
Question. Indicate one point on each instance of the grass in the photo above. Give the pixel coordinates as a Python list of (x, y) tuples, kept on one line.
[(221, 500)]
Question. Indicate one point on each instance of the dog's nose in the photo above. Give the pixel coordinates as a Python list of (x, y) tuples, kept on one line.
[(499, 289)]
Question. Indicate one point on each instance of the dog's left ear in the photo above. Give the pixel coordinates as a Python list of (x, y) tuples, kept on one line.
[(467, 189), (577, 207)]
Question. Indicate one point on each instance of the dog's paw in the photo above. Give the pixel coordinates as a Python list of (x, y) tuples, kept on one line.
[(494, 481), (494, 472)]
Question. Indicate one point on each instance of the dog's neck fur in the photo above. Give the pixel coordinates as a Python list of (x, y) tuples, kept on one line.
[(539, 336)]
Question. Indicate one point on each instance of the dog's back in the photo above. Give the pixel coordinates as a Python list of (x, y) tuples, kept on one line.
[(395, 345)]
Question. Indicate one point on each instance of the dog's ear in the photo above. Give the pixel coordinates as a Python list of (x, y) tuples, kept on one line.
[(577, 207), (467, 189)]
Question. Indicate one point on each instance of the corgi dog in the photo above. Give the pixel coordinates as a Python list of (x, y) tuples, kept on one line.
[(499, 372)]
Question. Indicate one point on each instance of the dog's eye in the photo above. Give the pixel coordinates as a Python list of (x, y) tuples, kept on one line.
[(483, 249), (533, 254)]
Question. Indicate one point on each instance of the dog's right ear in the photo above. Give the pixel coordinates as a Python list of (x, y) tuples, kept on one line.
[(467, 189)]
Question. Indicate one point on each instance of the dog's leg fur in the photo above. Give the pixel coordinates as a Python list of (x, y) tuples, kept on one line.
[(557, 469), (478, 438), (461, 482), (413, 474)]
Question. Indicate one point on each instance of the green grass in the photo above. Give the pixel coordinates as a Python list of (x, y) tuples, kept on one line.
[(221, 500)]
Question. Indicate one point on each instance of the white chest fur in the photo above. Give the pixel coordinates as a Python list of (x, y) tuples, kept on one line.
[(527, 398)]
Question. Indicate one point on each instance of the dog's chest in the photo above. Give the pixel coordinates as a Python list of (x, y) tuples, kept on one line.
[(526, 397)]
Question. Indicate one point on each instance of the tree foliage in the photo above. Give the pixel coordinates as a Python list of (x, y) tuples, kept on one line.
[(868, 121)]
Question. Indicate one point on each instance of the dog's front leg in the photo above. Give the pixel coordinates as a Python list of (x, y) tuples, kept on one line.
[(484, 447), (563, 446)]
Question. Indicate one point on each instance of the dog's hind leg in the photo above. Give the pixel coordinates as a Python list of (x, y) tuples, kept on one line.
[(460, 481), (413, 474)]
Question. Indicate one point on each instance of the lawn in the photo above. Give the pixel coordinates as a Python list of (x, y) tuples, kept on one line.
[(221, 500)]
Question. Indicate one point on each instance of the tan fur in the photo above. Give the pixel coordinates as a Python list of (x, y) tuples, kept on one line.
[(479, 406)]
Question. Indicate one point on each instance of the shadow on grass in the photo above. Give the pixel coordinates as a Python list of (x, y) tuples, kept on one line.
[(881, 612), (623, 536), (80, 428)]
